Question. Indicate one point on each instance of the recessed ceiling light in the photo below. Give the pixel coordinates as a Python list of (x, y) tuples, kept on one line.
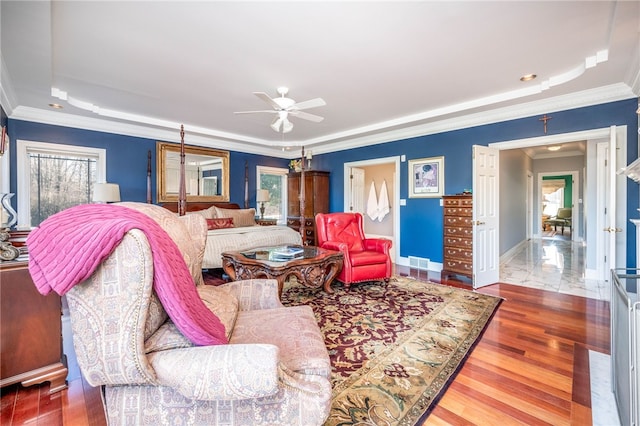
[(56, 106), (528, 77), (554, 147)]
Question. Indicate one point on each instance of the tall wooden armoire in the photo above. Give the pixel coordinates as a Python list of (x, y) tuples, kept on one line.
[(316, 201)]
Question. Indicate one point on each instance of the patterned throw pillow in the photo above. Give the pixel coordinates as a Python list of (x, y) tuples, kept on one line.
[(241, 217), (220, 223)]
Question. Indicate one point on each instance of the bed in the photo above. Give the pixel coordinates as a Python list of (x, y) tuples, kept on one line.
[(242, 235)]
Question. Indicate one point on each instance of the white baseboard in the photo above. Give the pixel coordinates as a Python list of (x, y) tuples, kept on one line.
[(433, 266), (507, 255)]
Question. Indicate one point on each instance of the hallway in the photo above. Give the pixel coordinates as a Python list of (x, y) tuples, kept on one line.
[(553, 264)]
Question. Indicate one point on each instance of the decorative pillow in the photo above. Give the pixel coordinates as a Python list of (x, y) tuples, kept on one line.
[(241, 217), (209, 213), (219, 223), (166, 337), (223, 304)]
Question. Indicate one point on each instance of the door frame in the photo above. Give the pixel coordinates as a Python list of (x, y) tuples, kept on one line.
[(529, 201), (603, 133), (395, 203)]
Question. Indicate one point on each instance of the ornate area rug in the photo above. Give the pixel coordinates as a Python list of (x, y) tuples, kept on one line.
[(394, 348)]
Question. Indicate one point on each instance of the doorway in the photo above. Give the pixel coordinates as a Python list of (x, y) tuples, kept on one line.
[(362, 179), (592, 214), (560, 204)]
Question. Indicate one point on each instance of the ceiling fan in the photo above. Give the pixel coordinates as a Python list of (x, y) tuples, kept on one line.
[(284, 107)]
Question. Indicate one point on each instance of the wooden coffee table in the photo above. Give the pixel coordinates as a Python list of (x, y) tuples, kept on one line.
[(315, 267)]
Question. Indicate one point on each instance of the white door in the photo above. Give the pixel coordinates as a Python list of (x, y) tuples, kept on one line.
[(486, 259), (610, 210), (357, 190), (529, 202)]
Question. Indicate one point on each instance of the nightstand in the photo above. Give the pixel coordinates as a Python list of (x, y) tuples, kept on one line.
[(31, 332), (267, 222)]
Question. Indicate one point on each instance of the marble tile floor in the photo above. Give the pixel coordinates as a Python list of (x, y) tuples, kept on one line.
[(603, 403), (552, 264)]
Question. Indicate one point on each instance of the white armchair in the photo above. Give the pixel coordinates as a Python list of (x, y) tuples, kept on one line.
[(275, 369)]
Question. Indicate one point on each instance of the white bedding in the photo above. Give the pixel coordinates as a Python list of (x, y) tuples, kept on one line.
[(244, 238)]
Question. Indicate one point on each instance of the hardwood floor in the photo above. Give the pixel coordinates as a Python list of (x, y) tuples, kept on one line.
[(530, 367)]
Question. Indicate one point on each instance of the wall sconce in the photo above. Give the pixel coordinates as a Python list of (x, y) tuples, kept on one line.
[(106, 193), (262, 196)]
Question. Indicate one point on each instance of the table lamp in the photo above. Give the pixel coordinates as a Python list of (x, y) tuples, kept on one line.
[(261, 197), (106, 192)]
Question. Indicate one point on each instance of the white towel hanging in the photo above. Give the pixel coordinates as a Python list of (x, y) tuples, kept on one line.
[(372, 202), (383, 202)]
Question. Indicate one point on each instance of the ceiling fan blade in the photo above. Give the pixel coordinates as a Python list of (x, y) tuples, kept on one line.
[(306, 116), (267, 99), (253, 112), (311, 103)]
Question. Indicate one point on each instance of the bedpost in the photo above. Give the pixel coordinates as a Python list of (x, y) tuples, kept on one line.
[(182, 191), (302, 201), (149, 177), (246, 184)]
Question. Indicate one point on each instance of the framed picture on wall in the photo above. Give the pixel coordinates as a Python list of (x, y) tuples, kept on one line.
[(426, 177)]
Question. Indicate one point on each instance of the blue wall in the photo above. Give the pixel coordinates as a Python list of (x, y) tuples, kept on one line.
[(421, 218), (127, 159)]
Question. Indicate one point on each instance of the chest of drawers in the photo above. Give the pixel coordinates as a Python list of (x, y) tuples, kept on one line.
[(458, 235)]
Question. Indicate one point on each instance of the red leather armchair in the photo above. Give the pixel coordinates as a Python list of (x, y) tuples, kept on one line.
[(365, 259)]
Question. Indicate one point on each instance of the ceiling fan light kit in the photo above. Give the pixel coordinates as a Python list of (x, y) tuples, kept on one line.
[(283, 121), (284, 106)]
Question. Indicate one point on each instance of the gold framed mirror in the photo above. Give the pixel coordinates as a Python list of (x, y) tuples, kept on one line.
[(206, 173)]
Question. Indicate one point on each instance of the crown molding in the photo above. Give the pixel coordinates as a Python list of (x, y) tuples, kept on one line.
[(605, 94), (7, 96), (58, 118), (166, 131)]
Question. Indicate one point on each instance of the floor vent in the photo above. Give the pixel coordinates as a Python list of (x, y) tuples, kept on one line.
[(418, 263)]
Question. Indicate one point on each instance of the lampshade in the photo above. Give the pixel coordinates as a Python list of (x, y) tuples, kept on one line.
[(106, 192), (262, 195), (283, 121)]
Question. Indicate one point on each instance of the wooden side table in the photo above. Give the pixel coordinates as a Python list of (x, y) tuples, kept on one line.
[(317, 268), (267, 222), (30, 331)]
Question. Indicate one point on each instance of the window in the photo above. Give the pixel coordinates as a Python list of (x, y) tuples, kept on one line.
[(275, 180), (53, 177)]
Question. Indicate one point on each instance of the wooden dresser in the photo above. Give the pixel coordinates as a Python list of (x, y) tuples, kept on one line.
[(30, 330), (316, 201), (458, 235)]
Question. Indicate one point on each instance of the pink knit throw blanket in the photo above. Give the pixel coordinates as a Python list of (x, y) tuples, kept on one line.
[(68, 247)]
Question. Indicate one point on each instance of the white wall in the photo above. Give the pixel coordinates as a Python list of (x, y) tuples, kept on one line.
[(514, 164)]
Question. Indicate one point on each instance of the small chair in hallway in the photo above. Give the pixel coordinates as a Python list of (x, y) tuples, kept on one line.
[(562, 219)]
